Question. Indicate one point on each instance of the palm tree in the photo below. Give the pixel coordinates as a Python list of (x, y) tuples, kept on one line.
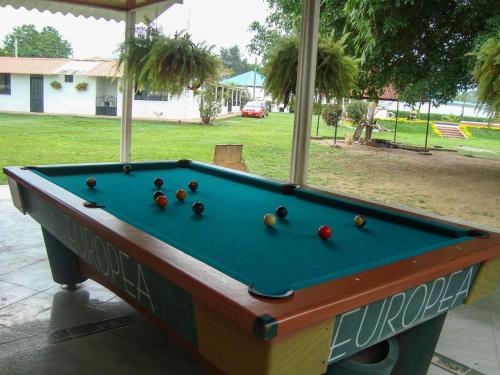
[(487, 76)]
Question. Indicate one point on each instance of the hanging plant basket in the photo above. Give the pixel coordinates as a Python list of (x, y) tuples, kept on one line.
[(56, 85), (168, 64), (82, 86)]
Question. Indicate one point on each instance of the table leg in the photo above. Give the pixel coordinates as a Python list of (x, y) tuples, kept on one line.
[(63, 262), (416, 347)]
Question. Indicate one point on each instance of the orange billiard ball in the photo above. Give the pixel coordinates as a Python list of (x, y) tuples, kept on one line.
[(325, 232), (181, 194), (162, 201), (91, 182)]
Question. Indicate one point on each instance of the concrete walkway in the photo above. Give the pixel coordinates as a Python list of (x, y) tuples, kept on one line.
[(46, 330)]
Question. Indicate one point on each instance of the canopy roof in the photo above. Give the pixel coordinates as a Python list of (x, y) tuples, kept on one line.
[(109, 10), (245, 79)]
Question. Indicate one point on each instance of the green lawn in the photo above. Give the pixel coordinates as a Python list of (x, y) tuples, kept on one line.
[(28, 140)]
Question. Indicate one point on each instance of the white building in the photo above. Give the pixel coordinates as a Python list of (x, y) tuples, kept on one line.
[(89, 87)]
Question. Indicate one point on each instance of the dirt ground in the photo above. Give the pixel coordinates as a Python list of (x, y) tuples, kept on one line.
[(445, 183)]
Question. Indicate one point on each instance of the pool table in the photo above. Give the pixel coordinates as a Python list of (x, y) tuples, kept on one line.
[(245, 297)]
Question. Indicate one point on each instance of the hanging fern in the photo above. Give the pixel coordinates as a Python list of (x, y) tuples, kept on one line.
[(335, 72), (168, 64), (132, 54)]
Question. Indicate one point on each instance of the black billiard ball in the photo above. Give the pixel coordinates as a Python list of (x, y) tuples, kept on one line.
[(157, 193), (360, 221), (162, 201), (325, 232), (91, 182), (158, 182), (127, 168), (281, 212), (198, 208), (193, 185)]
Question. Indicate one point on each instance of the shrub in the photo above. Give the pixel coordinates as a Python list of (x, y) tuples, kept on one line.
[(357, 110), (331, 114), (210, 102), (56, 85)]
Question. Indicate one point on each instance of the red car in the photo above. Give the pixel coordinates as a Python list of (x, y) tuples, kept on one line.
[(254, 109)]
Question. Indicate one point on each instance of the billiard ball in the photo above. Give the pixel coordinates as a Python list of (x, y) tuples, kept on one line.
[(158, 182), (162, 201), (127, 168), (157, 193), (198, 208), (181, 194), (91, 182), (193, 185), (325, 232), (360, 221), (281, 212), (269, 220)]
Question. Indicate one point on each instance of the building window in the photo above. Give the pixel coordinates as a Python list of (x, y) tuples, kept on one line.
[(151, 95), (68, 78), (5, 83)]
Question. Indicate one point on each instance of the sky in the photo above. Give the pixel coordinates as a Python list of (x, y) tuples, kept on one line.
[(222, 23)]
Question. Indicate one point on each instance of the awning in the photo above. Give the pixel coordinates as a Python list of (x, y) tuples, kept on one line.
[(108, 10)]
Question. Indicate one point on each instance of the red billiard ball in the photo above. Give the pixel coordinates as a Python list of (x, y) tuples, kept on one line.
[(156, 194), (198, 208), (158, 182), (162, 201), (127, 168), (325, 232), (91, 182), (193, 185), (181, 194)]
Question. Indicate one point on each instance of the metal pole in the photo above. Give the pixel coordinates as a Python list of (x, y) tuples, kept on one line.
[(254, 77), (306, 76), (128, 90), (319, 114), (396, 126), (427, 129)]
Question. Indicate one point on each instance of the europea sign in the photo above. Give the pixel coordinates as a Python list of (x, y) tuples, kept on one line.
[(362, 327)]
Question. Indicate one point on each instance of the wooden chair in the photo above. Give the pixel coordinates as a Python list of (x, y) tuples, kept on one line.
[(230, 156)]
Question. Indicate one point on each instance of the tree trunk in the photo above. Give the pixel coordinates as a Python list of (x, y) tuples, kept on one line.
[(372, 107)]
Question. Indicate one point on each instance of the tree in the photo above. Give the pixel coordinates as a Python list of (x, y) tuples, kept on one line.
[(3, 52), (487, 76), (418, 46), (335, 71), (232, 60), (31, 43)]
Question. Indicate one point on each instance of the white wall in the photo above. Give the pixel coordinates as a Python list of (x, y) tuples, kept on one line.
[(444, 109), (19, 98), (68, 99)]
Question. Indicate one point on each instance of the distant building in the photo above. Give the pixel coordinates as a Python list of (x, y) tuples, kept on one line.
[(246, 81), (90, 87)]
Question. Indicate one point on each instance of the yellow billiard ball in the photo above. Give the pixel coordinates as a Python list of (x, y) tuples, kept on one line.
[(360, 221), (269, 220)]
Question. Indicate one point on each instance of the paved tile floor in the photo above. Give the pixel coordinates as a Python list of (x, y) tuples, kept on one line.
[(46, 330)]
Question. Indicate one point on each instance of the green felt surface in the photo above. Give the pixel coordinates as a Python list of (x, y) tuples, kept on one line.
[(230, 235)]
